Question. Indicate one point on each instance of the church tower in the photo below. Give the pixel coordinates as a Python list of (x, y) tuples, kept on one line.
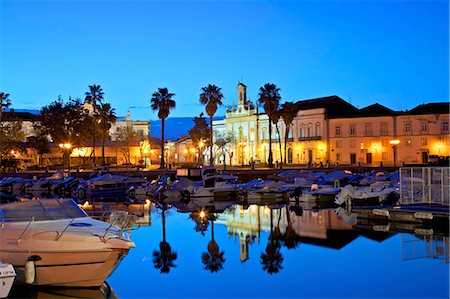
[(242, 94)]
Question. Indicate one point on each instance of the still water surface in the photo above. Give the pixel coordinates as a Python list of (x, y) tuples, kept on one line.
[(262, 252), (329, 259)]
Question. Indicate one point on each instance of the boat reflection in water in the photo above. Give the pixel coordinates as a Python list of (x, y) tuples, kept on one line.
[(103, 292)]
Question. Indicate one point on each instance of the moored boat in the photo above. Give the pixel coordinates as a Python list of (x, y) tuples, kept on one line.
[(54, 242)]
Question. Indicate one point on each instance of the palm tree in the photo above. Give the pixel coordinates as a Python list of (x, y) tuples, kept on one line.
[(288, 112), (107, 116), (213, 259), (269, 96), (165, 257), (162, 101), (275, 119), (94, 95), (272, 259), (5, 102), (211, 97)]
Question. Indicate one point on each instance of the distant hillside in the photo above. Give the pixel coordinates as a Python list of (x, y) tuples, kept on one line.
[(175, 127)]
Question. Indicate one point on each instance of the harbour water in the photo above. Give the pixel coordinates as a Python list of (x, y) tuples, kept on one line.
[(274, 252)]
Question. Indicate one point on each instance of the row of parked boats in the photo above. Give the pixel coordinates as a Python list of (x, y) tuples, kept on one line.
[(340, 187), (55, 242)]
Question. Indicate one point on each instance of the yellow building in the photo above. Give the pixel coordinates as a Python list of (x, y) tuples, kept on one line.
[(330, 131)]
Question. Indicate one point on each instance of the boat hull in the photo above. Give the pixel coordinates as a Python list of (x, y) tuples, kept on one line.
[(84, 268)]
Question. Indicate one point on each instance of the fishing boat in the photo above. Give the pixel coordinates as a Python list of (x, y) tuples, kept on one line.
[(53, 242)]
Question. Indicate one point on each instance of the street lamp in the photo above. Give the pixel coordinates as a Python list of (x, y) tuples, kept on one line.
[(66, 153), (200, 145), (394, 144)]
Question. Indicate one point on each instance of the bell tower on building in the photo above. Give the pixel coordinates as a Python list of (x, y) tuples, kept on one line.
[(242, 94)]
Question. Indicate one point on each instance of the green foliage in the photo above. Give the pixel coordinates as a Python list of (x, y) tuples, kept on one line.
[(66, 122), (200, 131), (11, 138), (126, 137)]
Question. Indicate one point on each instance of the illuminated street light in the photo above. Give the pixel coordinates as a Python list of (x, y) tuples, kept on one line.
[(66, 148)]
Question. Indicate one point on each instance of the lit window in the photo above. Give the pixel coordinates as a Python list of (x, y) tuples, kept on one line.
[(317, 129), (302, 131), (445, 126), (338, 143), (338, 157), (423, 141)]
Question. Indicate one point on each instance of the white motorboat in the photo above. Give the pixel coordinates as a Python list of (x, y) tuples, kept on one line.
[(367, 196), (202, 182), (7, 276), (109, 185), (54, 242)]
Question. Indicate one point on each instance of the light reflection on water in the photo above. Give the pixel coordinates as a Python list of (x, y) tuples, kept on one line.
[(272, 252)]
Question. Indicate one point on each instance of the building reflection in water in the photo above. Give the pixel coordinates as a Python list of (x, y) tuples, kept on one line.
[(323, 227), (425, 246)]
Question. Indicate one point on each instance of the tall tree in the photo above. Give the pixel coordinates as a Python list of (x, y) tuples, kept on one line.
[(5, 102), (275, 119), (200, 133), (223, 143), (212, 98), (126, 137), (94, 96), (39, 141), (162, 102), (65, 122), (288, 112), (106, 117), (269, 96)]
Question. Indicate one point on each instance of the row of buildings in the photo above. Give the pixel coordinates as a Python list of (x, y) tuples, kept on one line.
[(327, 130), (331, 130)]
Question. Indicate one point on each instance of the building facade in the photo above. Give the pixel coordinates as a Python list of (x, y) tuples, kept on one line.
[(331, 131)]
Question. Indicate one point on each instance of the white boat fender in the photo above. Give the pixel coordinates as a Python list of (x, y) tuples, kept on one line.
[(30, 269)]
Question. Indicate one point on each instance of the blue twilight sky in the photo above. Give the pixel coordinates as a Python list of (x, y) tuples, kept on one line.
[(391, 52)]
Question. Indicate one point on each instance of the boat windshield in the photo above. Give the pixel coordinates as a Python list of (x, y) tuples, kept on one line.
[(42, 209)]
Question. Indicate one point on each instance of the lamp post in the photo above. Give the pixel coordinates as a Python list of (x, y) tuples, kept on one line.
[(200, 146), (66, 153), (394, 144)]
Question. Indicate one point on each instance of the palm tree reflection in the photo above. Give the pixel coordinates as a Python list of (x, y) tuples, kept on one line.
[(165, 257), (201, 222), (214, 258), (272, 259), (290, 238)]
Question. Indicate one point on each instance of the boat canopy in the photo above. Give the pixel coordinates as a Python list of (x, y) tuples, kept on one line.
[(42, 209)]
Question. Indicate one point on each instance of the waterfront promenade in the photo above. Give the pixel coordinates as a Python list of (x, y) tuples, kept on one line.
[(244, 173)]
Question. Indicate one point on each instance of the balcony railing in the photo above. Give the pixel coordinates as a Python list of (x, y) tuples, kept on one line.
[(310, 138)]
